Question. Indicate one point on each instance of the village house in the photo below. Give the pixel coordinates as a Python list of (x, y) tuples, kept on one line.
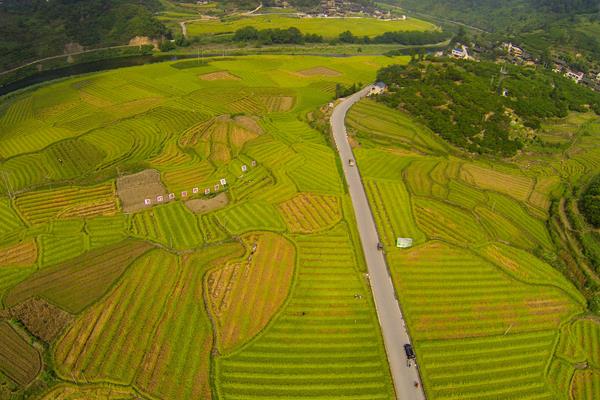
[(460, 52), (377, 88), (576, 76), (513, 50)]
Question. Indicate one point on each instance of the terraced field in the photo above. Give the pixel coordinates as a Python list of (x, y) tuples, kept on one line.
[(490, 319), (144, 293), (329, 28)]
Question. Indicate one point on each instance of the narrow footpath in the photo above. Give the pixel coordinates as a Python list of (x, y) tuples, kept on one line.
[(395, 335)]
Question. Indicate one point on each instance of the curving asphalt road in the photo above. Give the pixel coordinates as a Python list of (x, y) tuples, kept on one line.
[(388, 309)]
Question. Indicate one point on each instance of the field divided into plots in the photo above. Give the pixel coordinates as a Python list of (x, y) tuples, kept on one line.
[(488, 317), (324, 343), (107, 219)]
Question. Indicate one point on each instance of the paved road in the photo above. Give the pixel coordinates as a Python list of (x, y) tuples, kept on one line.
[(388, 310)]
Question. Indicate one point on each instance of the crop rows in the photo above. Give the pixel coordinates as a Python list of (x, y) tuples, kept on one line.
[(587, 335), (244, 295), (64, 391), (75, 284), (56, 248), (512, 210), (187, 177), (40, 138), (18, 359), (95, 348), (464, 195), (19, 254), (392, 210), (291, 130), (250, 216), (319, 172), (307, 212), (559, 377), (269, 151), (450, 293), (325, 344), (441, 221), (381, 164), (171, 224), (104, 231), (489, 368), (252, 183), (176, 364), (9, 220), (527, 267), (42, 206), (586, 385), (19, 111), (517, 186), (503, 229)]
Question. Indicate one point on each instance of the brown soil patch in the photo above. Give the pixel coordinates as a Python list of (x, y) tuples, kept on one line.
[(41, 318), (248, 123), (134, 189), (219, 76), (319, 71), (200, 206)]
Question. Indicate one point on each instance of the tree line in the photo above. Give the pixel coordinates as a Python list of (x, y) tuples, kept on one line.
[(293, 35)]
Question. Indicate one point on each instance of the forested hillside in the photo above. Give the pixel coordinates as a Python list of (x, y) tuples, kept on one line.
[(33, 29), (483, 107), (506, 15)]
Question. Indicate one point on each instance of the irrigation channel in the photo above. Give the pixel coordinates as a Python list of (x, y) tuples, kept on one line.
[(393, 328)]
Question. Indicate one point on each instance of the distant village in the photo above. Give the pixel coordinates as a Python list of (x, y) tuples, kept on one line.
[(518, 56)]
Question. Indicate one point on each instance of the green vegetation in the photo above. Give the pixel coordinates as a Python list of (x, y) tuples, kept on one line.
[(224, 289), (483, 107), (328, 28), (482, 289), (590, 202), (37, 29)]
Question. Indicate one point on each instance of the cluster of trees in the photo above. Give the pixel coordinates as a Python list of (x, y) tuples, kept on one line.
[(471, 104), (397, 37), (39, 28), (294, 36), (589, 203), (275, 36)]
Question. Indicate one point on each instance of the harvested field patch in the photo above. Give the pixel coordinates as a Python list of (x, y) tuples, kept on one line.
[(200, 206), (133, 189), (42, 206), (19, 254), (41, 318), (308, 212), (250, 123), (236, 291), (93, 349), (318, 71), (89, 392), (20, 361), (75, 284), (219, 76)]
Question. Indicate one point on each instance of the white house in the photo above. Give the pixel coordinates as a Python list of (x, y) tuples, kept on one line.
[(576, 76), (460, 52), (513, 50), (377, 88)]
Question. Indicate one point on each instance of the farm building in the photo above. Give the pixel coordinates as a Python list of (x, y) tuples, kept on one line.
[(576, 76), (377, 88)]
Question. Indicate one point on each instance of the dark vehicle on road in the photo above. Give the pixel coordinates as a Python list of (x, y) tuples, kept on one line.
[(410, 354)]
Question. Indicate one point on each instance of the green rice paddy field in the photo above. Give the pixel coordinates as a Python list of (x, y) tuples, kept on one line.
[(489, 317), (249, 283), (256, 290), (328, 28)]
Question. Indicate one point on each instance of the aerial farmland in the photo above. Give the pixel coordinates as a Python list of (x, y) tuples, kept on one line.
[(296, 217)]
